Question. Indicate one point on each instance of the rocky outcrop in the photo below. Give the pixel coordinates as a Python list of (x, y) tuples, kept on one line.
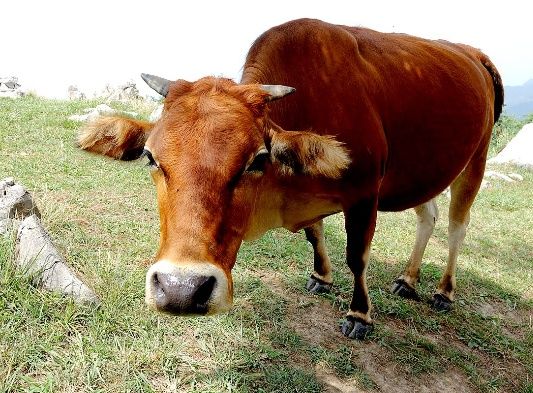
[(100, 110), (125, 92), (10, 87), (75, 94), (15, 205), (490, 178), (35, 253), (519, 151), (37, 256)]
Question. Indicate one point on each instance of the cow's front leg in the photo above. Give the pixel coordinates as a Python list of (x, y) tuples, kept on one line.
[(360, 222), (321, 279)]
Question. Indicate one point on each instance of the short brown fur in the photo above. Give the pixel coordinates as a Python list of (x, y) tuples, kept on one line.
[(381, 121), (117, 137)]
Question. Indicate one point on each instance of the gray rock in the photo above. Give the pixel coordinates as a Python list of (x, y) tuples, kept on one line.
[(10, 83), (15, 205), (10, 87), (79, 118), (516, 176), (11, 94), (93, 113), (497, 175), (37, 256), (34, 251), (104, 110), (75, 94), (125, 92)]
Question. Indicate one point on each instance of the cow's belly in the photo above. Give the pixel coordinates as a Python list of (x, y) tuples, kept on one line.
[(414, 177)]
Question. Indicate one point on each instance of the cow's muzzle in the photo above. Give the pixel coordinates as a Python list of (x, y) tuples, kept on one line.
[(192, 288)]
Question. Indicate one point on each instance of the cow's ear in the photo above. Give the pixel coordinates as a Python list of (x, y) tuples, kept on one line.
[(117, 137), (257, 96), (308, 153)]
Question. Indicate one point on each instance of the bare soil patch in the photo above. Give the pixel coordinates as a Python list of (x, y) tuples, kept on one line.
[(316, 321)]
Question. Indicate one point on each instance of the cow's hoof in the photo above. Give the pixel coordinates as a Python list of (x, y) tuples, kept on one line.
[(401, 288), (316, 285), (441, 302), (353, 327)]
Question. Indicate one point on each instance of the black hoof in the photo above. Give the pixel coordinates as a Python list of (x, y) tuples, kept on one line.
[(316, 285), (401, 288), (353, 327), (441, 302)]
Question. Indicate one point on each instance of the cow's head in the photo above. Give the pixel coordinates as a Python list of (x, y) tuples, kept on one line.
[(211, 155)]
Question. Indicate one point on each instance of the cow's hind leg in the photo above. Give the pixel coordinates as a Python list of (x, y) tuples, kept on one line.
[(427, 215), (321, 279), (463, 192)]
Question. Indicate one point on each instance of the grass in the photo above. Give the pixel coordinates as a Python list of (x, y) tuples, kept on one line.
[(102, 216)]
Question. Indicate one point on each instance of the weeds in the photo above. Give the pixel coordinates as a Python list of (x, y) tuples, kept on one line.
[(102, 215)]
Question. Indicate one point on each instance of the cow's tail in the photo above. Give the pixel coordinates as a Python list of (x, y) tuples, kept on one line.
[(494, 74), (118, 137), (497, 83)]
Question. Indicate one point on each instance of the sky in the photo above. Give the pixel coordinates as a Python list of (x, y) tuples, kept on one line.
[(50, 45)]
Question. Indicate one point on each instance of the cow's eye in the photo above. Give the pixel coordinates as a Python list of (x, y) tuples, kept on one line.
[(259, 162), (151, 162)]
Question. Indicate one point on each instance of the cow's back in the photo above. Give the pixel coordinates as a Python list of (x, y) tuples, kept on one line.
[(413, 109)]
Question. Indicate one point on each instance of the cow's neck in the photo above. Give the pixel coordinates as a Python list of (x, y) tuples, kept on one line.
[(292, 203)]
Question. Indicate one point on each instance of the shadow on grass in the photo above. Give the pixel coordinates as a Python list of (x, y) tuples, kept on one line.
[(483, 344), (278, 338)]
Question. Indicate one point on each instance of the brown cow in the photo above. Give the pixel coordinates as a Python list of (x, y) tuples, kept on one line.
[(385, 122)]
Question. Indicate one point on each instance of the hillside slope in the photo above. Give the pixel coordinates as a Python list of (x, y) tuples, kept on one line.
[(519, 99)]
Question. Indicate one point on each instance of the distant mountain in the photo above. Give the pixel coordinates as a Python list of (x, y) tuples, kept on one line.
[(519, 99)]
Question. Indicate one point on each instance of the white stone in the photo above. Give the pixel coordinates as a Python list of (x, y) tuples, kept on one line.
[(34, 251), (10, 87), (93, 113), (38, 257), (484, 184), (78, 117), (8, 181), (498, 175), (11, 94), (15, 204), (125, 92), (519, 150), (516, 176), (75, 94), (104, 109)]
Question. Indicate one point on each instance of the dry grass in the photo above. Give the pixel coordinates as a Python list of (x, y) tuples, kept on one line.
[(278, 338)]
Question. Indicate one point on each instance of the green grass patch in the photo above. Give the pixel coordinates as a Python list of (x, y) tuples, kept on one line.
[(102, 216)]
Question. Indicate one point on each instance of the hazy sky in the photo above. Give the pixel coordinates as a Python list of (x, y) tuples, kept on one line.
[(52, 44)]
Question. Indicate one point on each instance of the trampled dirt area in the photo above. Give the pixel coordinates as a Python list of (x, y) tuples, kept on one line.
[(316, 321), (277, 337)]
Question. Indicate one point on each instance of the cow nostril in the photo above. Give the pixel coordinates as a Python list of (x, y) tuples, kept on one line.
[(204, 291), (159, 287)]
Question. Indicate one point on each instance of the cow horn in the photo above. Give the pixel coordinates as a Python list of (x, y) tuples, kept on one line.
[(277, 91), (157, 83)]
